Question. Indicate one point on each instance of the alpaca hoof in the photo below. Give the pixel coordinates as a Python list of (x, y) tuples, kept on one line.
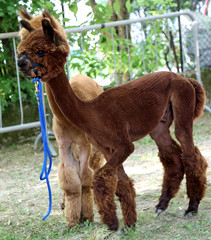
[(192, 208), (159, 211), (114, 227), (190, 213), (87, 219), (62, 206), (85, 223), (72, 227), (68, 229)]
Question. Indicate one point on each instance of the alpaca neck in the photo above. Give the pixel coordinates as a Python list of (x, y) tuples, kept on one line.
[(65, 103), (53, 105)]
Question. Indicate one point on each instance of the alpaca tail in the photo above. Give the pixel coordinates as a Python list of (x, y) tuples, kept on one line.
[(200, 97)]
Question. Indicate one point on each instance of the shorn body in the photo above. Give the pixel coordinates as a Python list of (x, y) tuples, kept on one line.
[(121, 115)]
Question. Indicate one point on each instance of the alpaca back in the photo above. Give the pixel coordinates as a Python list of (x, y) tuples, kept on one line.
[(85, 87)]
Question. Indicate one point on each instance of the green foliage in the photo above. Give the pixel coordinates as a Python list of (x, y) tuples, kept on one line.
[(8, 75), (9, 90), (128, 6), (37, 6), (143, 58), (73, 7), (155, 7), (117, 7), (8, 15), (9, 23), (96, 58), (102, 13)]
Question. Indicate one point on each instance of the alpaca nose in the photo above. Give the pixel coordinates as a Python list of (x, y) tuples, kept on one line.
[(22, 63)]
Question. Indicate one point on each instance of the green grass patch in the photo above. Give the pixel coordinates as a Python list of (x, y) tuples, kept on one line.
[(24, 199)]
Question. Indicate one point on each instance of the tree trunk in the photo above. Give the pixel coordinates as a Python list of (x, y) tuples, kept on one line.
[(120, 31)]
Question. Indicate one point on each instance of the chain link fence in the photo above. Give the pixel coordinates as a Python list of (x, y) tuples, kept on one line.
[(204, 36)]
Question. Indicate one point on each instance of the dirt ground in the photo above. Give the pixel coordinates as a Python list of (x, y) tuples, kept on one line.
[(23, 195)]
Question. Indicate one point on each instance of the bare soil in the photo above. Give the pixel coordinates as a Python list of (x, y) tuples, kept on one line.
[(24, 198)]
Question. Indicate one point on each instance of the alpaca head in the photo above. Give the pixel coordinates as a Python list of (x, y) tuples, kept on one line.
[(43, 48)]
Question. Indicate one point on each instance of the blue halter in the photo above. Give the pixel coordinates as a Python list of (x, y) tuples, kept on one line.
[(45, 170)]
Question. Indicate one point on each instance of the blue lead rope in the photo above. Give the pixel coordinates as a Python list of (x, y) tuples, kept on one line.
[(45, 170)]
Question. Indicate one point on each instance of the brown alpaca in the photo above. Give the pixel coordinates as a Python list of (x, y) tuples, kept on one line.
[(75, 176), (121, 115)]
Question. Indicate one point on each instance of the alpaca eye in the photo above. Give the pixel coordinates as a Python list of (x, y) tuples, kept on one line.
[(40, 53)]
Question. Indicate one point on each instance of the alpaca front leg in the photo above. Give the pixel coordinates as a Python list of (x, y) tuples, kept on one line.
[(104, 186), (195, 169), (126, 194), (70, 183), (87, 204)]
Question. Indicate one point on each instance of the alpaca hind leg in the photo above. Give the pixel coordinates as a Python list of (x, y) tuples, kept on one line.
[(97, 159), (170, 157), (195, 167), (194, 163), (105, 183), (173, 176), (126, 194), (70, 183)]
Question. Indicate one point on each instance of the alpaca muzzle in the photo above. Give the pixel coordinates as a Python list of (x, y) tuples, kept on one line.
[(28, 67)]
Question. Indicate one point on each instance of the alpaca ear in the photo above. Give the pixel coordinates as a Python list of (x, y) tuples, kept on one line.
[(46, 14), (24, 14), (49, 31), (26, 25)]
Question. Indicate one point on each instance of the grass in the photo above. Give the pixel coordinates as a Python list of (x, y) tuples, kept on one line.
[(24, 199)]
